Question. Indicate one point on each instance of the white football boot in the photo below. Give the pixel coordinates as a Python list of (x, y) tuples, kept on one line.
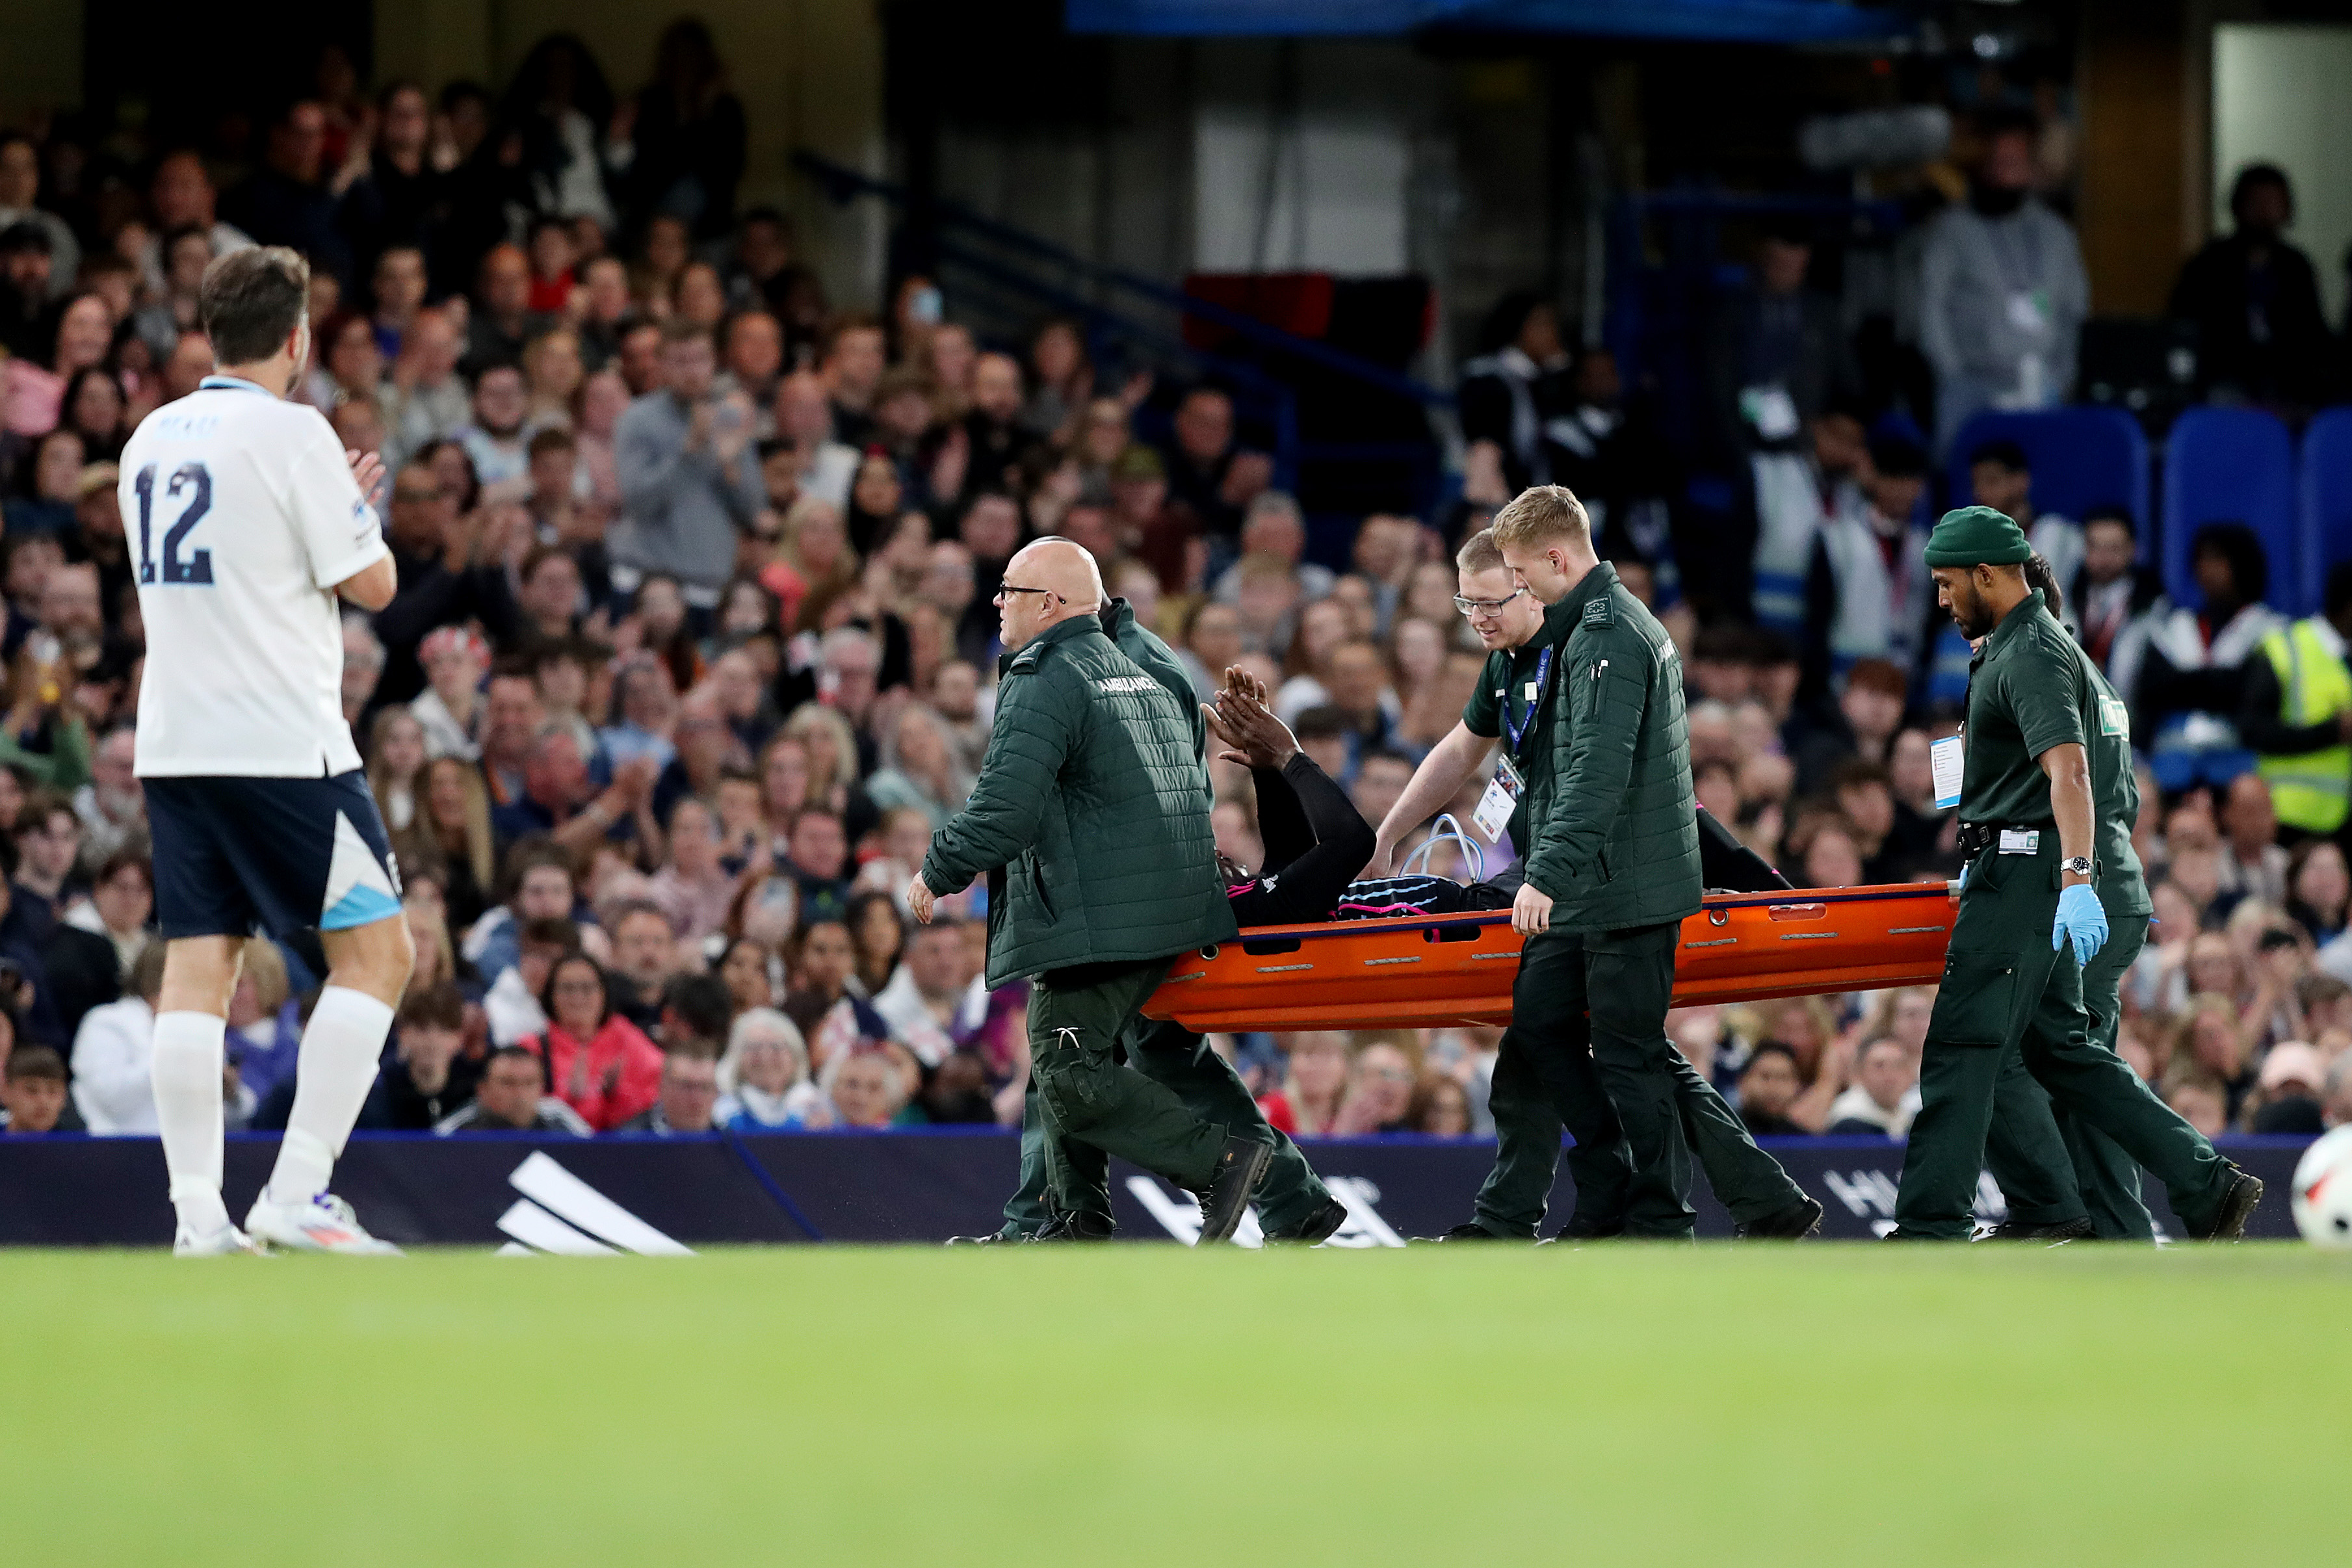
[(226, 1242), (325, 1224)]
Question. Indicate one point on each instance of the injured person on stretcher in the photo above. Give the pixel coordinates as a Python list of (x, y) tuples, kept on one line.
[(1317, 842)]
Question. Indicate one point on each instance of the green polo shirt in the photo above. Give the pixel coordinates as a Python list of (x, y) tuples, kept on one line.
[(1508, 689), (2025, 689)]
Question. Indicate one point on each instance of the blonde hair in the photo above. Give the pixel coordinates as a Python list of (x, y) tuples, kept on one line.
[(1540, 515), (826, 792), (1479, 552)]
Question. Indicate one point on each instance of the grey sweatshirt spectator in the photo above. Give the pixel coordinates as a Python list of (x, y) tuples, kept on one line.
[(2001, 292), (689, 478)]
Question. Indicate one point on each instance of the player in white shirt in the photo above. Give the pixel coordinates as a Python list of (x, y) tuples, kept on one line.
[(250, 522)]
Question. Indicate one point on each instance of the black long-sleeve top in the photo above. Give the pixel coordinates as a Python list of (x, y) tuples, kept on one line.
[(1316, 843)]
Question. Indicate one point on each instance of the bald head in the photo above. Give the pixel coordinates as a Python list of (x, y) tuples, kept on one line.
[(1046, 584)]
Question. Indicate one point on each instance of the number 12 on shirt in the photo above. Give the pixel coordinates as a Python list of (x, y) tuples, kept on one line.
[(196, 481)]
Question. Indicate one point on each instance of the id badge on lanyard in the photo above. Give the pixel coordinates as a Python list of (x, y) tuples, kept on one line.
[(1509, 784), (1501, 799)]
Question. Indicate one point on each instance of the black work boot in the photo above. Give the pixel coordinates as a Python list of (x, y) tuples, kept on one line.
[(2052, 1234), (1472, 1232), (2237, 1200), (1795, 1223), (1240, 1168), (1076, 1224), (1318, 1227)]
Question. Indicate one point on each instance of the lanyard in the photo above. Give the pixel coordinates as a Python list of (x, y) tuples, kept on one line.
[(1543, 668)]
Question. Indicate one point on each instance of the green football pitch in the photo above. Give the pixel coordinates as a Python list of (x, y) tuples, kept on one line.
[(1816, 1405)]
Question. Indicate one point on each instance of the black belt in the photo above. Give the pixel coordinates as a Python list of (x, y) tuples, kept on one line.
[(1976, 837)]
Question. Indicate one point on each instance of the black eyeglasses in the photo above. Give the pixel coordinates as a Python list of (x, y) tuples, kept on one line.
[(1009, 588), (1486, 606)]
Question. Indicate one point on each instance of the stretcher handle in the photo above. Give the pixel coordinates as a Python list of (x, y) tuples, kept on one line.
[(1447, 826)]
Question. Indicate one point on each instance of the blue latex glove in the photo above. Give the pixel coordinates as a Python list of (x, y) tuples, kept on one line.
[(2081, 917), (1964, 876)]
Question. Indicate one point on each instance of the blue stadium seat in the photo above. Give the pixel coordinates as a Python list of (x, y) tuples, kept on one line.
[(2083, 458), (2325, 498), (2232, 465)]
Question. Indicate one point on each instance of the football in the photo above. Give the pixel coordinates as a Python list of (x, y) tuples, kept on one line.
[(2322, 1191)]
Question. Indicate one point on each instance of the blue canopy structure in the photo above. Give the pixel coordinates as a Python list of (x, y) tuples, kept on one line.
[(1721, 21)]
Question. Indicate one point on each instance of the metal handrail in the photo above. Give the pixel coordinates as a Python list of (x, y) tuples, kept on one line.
[(842, 182)]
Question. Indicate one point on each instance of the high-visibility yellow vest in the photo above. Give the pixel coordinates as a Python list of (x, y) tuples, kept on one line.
[(2312, 792)]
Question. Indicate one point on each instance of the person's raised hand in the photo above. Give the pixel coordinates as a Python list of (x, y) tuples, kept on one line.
[(367, 472), (1248, 723)]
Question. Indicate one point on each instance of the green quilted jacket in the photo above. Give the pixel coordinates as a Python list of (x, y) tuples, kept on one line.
[(1090, 797), (1616, 836)]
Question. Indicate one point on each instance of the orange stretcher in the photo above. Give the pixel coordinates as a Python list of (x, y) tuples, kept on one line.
[(1427, 971)]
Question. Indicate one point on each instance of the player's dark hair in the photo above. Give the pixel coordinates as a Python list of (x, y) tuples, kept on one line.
[(441, 1006), (251, 300), (2038, 576)]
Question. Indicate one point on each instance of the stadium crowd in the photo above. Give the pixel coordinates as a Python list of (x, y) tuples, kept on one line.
[(694, 645)]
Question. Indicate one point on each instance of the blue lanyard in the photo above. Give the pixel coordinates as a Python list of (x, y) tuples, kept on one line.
[(1543, 668)]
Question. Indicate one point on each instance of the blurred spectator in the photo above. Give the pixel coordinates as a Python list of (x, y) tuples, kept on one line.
[(2182, 668), (601, 1065), (2286, 1102), (1868, 594), (690, 1093), (2001, 476), (2255, 301), (2113, 589), (1509, 392), (2002, 291), (113, 1053), (763, 1077), (287, 200), (1884, 1096), (1440, 1107), (1768, 1086), (1316, 1066), (512, 1097), (1777, 351), (689, 479), (685, 138), (1209, 475), (33, 1098), (2252, 865), (20, 190), (2295, 713), (426, 1078), (867, 1091)]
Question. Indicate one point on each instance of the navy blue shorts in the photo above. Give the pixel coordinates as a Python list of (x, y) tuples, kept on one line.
[(235, 855)]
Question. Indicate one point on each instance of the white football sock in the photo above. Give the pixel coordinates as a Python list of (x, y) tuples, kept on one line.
[(333, 1076), (186, 1072)]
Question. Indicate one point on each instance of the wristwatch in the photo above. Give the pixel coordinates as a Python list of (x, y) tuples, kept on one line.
[(2076, 866)]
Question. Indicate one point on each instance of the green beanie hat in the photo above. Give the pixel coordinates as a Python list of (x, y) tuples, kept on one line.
[(1978, 536)]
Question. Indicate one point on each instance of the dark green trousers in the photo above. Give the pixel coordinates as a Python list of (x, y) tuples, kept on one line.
[(2097, 1179), (1087, 1096), (1546, 1079), (1169, 1054), (1529, 1109), (2004, 989)]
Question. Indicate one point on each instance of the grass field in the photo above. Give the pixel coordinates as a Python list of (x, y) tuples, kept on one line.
[(1146, 1406)]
